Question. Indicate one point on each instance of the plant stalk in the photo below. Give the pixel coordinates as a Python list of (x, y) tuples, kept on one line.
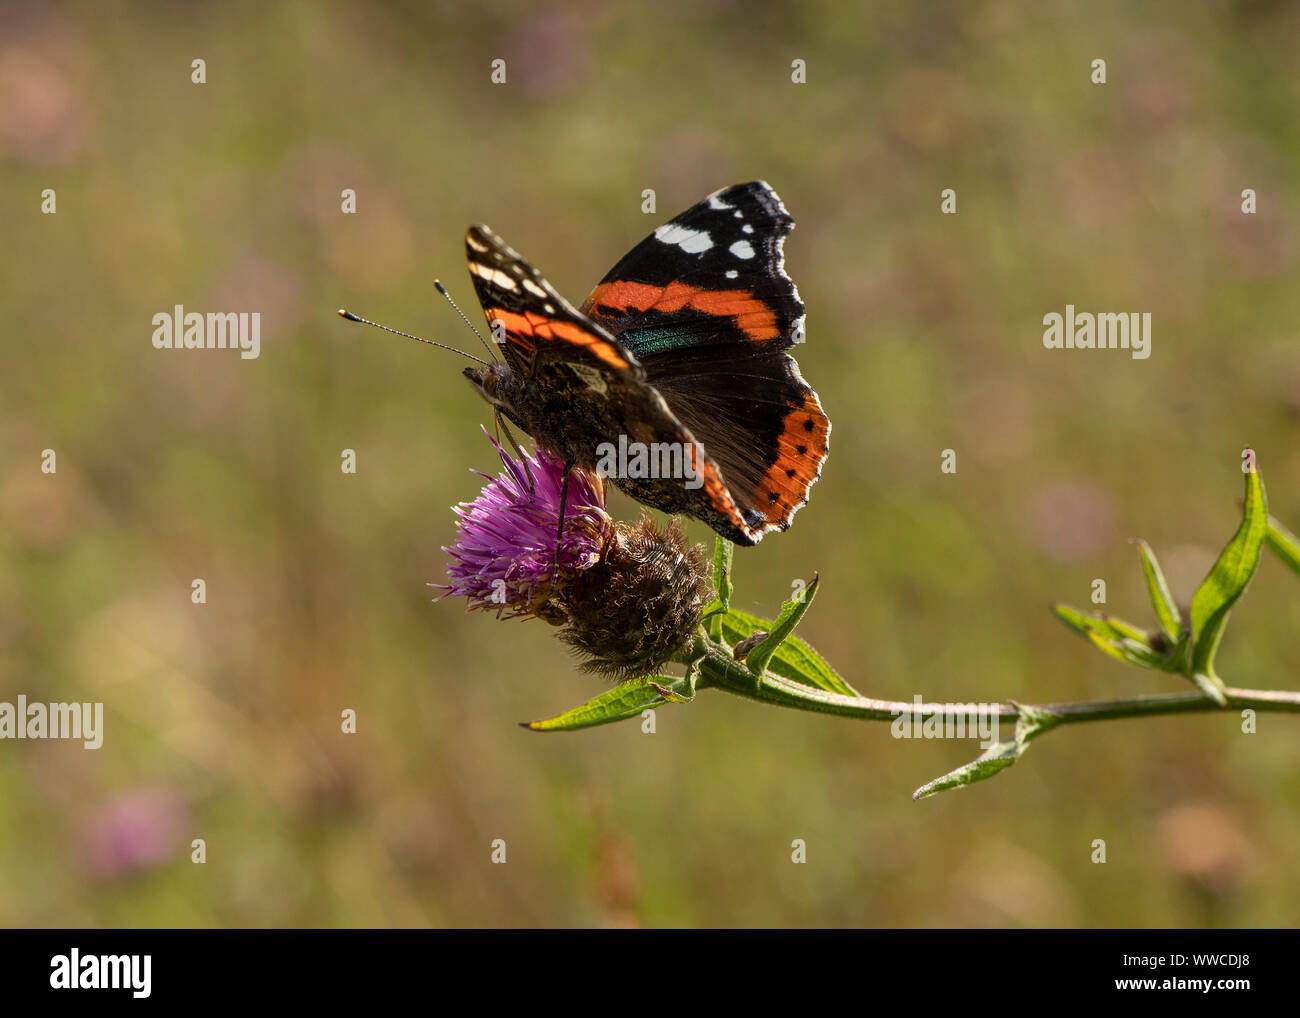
[(717, 668)]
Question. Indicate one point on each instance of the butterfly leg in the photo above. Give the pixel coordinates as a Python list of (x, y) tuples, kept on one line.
[(502, 426), (559, 530)]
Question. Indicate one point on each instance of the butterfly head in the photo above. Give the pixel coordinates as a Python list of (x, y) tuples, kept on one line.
[(496, 384)]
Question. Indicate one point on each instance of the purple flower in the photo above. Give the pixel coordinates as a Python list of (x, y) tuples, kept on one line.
[(504, 553), (627, 598)]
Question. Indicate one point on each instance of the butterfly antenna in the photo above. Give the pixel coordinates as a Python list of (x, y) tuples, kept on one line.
[(366, 321), (456, 307)]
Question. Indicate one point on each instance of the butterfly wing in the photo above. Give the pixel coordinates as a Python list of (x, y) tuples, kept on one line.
[(706, 307), (595, 388), (530, 320)]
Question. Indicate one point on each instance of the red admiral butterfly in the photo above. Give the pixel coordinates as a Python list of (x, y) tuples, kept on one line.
[(682, 345)]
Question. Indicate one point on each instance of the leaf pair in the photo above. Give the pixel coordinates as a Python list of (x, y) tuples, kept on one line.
[(1187, 647), (1184, 647)]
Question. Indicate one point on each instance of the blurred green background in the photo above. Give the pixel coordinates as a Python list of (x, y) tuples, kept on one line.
[(924, 333)]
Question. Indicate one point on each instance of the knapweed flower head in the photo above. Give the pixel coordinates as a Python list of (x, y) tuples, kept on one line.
[(504, 554), (627, 598), (641, 603)]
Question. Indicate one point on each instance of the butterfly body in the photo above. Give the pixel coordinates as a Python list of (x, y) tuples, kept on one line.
[(562, 414), (678, 354)]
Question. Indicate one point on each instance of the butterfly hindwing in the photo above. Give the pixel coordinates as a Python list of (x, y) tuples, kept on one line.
[(763, 426), (705, 305)]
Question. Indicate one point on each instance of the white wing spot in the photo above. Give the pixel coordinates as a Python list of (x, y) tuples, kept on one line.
[(738, 214), (747, 228), (690, 241), (717, 203), (533, 288), (732, 273), (494, 276), (741, 249)]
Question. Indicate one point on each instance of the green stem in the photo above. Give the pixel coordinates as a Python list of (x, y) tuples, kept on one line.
[(719, 669), (1284, 543)]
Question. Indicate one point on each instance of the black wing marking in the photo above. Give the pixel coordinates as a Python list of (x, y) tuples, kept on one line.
[(530, 318)]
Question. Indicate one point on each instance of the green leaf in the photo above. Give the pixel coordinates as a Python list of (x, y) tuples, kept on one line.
[(1225, 583), (1123, 631), (1107, 627), (1106, 646), (1031, 723), (1285, 544), (997, 757), (1162, 600), (791, 612), (722, 552), (618, 704), (793, 659), (1140, 653), (1112, 636)]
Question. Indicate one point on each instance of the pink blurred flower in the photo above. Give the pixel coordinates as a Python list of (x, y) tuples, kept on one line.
[(135, 831)]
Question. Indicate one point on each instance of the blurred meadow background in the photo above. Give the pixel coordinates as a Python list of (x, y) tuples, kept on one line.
[(924, 333)]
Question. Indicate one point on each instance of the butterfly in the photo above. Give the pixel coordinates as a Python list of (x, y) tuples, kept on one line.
[(672, 378)]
